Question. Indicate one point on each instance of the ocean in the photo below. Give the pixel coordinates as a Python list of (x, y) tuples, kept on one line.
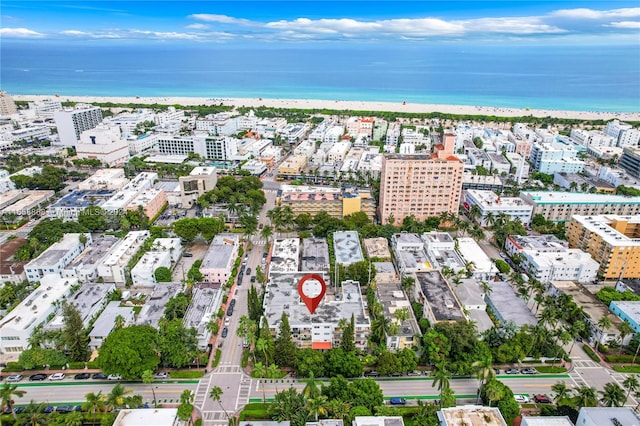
[(582, 78)]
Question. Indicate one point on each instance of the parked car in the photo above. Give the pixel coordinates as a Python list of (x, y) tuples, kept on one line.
[(522, 399), (541, 399), (114, 377), (248, 271), (397, 401), (64, 409), (396, 374), (49, 409), (99, 376), (529, 370), (161, 375), (230, 311), (253, 278), (232, 303), (265, 255), (19, 410), (372, 373), (37, 377), (82, 376), (225, 331), (227, 321), (414, 373), (14, 378), (57, 376), (187, 255), (511, 371)]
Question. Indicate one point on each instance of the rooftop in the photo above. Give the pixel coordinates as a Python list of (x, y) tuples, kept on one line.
[(471, 416), (203, 171), (83, 199), (593, 307), (106, 321), (7, 250), (377, 248), (346, 246), (443, 304), (472, 252), (437, 237), (315, 254), (201, 308), (601, 225), (96, 252), (548, 242), (603, 416), (546, 421), (491, 199), (282, 296), (285, 255), (153, 309), (220, 251), (87, 299), (481, 318), (148, 416), (126, 247), (57, 251), (33, 198), (508, 305), (553, 197), (378, 421), (393, 298)]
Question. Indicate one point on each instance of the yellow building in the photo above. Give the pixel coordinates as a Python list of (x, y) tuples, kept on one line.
[(336, 202), (292, 166), (612, 240)]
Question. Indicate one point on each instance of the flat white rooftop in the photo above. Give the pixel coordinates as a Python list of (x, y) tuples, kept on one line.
[(491, 199), (148, 416), (554, 197), (601, 225), (472, 252)]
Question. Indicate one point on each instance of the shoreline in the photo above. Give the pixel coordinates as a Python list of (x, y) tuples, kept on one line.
[(346, 105)]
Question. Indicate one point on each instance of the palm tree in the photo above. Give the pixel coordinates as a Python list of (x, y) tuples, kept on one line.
[(216, 394), (311, 389), (95, 403), (317, 406), (441, 378), (7, 393), (261, 346), (624, 329), (586, 397), (561, 391), (486, 288), (34, 414), (380, 328), (631, 384), (266, 233), (493, 391), (259, 372), (74, 419), (148, 378), (339, 409), (116, 398), (186, 397), (484, 373), (612, 395)]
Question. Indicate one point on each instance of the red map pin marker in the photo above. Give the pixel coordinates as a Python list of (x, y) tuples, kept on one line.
[(311, 289)]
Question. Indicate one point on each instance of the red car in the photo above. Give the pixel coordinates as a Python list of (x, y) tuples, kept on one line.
[(541, 399)]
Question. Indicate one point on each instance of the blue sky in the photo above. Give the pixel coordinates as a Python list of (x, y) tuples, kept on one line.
[(245, 22)]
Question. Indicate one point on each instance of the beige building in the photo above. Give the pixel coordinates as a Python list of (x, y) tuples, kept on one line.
[(561, 206), (421, 185), (7, 104), (199, 181), (613, 241), (151, 200), (334, 201), (103, 143), (104, 179), (292, 166), (377, 248)]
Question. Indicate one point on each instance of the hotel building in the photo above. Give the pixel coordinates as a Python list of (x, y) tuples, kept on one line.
[(420, 185), (103, 143), (612, 240), (336, 202), (490, 203), (630, 161), (72, 122), (561, 206)]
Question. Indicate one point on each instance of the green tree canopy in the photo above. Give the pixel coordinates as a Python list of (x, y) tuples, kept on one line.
[(163, 274), (129, 351)]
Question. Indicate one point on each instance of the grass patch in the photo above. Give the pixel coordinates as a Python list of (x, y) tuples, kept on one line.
[(216, 359), (626, 368), (591, 353), (186, 374), (245, 358), (551, 369), (255, 411)]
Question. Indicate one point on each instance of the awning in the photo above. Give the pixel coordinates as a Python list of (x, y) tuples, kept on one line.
[(321, 345)]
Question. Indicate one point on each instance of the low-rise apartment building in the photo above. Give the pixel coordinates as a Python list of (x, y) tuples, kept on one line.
[(292, 166), (438, 302), (346, 247), (114, 269), (69, 207), (492, 205), (151, 201), (84, 268), (54, 259), (104, 179), (106, 322), (612, 240), (218, 261), (396, 307), (561, 206), (336, 202), (204, 306), (103, 143)]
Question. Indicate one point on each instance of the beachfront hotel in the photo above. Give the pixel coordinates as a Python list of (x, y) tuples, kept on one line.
[(612, 240), (72, 122), (421, 185)]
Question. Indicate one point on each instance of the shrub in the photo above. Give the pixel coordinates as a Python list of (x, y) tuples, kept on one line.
[(502, 266), (93, 365), (187, 374), (620, 358), (627, 368), (254, 411), (13, 367), (76, 365), (591, 353), (216, 360), (551, 369)]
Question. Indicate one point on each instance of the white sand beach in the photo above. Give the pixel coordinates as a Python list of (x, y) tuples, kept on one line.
[(347, 105)]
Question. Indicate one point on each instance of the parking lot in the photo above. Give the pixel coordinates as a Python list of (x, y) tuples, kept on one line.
[(197, 249)]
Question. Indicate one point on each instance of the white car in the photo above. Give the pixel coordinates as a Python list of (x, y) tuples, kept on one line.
[(114, 377), (57, 376), (522, 399), (161, 375), (227, 321)]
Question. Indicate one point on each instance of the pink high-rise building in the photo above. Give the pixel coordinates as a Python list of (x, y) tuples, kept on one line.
[(421, 185)]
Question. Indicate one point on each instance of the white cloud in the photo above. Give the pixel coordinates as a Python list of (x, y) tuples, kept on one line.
[(221, 19), (75, 33), (19, 33), (519, 26), (584, 13), (166, 35), (632, 25), (198, 26)]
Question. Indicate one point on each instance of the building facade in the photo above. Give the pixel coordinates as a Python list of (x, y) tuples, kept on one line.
[(72, 122), (561, 206), (335, 202), (103, 143), (199, 181)]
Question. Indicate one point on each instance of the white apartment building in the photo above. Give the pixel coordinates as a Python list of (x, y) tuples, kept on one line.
[(205, 303), (592, 137), (31, 133), (72, 122), (114, 268), (104, 179), (122, 198), (84, 268), (306, 148), (45, 108), (103, 143), (106, 322), (218, 261), (294, 132), (563, 265), (371, 162), (521, 166), (555, 158), (17, 326), (499, 163), (623, 133), (255, 167), (393, 133), (338, 151), (142, 143), (168, 116), (182, 145), (143, 274), (269, 126), (333, 134), (522, 129), (490, 203), (54, 259), (545, 136)]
